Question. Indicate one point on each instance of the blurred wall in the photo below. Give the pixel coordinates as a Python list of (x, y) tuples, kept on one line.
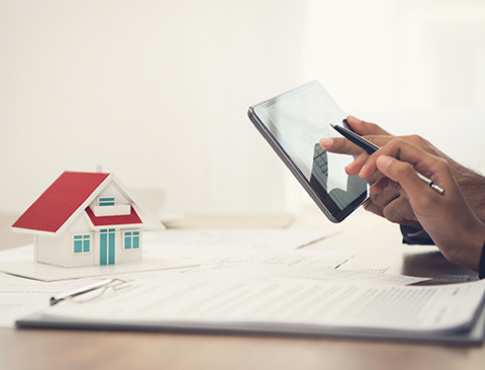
[(157, 91), (414, 66)]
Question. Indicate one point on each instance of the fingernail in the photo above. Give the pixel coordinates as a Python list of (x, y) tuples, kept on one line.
[(326, 143), (355, 119), (384, 161)]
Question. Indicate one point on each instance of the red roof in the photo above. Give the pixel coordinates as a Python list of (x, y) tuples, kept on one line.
[(132, 218), (54, 207)]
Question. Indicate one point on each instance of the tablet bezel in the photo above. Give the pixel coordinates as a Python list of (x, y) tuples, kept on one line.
[(318, 194)]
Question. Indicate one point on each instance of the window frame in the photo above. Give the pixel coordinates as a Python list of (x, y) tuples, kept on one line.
[(131, 236), (82, 241)]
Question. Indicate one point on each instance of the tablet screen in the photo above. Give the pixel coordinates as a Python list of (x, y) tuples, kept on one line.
[(297, 120)]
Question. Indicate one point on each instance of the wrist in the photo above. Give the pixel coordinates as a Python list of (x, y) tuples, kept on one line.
[(471, 184), (470, 253)]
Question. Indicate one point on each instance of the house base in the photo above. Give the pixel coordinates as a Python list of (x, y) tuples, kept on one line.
[(44, 272)]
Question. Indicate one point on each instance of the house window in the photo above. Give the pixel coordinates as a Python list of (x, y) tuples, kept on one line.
[(82, 243), (131, 239), (106, 201)]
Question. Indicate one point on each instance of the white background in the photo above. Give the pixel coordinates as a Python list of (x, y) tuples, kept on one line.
[(157, 91)]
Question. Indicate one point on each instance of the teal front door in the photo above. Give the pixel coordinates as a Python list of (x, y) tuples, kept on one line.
[(107, 247)]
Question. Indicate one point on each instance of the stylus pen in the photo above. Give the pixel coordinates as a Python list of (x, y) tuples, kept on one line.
[(371, 148)]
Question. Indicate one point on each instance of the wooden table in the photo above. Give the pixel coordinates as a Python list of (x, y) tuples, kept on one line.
[(380, 250)]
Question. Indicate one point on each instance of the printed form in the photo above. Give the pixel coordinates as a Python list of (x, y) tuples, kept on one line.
[(282, 302)]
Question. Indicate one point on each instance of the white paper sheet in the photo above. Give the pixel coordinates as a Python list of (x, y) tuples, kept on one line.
[(20, 297), (300, 264), (276, 302), (203, 244)]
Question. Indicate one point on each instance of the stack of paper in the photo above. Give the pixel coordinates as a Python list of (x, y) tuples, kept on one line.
[(281, 305)]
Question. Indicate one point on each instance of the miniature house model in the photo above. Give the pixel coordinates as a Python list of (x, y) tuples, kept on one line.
[(86, 219)]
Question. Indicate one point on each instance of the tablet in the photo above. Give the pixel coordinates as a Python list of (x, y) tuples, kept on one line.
[(293, 123)]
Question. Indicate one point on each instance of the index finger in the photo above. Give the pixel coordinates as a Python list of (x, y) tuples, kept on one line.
[(344, 146), (340, 145), (365, 128)]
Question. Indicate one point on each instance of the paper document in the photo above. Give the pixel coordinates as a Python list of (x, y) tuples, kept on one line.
[(299, 264), (202, 244), (19, 296), (281, 303)]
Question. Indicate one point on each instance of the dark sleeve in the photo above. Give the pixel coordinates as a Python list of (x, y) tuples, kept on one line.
[(481, 267), (411, 235)]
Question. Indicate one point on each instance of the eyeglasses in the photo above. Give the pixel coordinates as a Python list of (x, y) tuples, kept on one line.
[(90, 292)]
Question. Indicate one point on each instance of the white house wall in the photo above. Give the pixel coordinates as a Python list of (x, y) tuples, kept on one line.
[(79, 226), (52, 250), (59, 250)]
